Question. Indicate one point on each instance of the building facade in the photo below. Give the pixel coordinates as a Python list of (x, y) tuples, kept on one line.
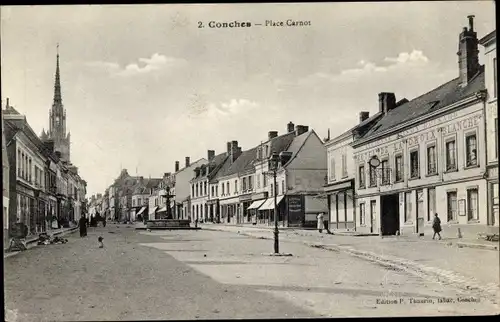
[(5, 182), (428, 156), (489, 42)]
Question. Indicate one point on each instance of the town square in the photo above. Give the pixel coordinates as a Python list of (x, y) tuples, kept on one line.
[(158, 167)]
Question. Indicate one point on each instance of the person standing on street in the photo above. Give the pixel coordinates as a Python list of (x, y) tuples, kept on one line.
[(83, 226), (326, 224), (320, 222), (436, 225)]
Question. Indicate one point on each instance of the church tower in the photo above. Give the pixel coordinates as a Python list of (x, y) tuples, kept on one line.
[(57, 120)]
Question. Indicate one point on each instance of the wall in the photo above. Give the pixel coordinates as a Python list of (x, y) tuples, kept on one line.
[(182, 178), (335, 152)]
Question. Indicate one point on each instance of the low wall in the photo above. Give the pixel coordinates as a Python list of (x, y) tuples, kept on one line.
[(167, 223)]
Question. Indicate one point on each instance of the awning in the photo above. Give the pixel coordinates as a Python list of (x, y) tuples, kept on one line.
[(269, 203), (153, 210), (256, 204), (163, 209), (315, 205), (141, 211)]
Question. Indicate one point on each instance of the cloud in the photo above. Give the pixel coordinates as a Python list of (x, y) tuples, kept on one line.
[(222, 109), (414, 56), (143, 66)]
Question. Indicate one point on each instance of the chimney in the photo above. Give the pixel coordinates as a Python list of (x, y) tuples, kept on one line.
[(228, 148), (363, 116), (235, 151), (166, 174), (272, 134), (7, 104), (176, 166), (210, 155), (386, 102), (289, 127), (468, 53), (187, 162), (301, 129)]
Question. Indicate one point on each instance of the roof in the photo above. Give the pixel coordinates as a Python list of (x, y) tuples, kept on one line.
[(223, 168), (281, 143), (434, 100), (10, 110), (242, 163), (489, 37)]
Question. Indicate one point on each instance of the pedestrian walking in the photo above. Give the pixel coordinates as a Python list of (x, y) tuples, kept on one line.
[(104, 221), (83, 226), (320, 222), (326, 224), (436, 225)]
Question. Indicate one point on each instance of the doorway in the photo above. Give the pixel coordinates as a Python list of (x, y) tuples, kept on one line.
[(389, 214), (373, 215), (420, 212)]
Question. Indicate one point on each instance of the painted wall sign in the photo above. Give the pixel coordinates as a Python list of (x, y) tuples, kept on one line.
[(462, 125)]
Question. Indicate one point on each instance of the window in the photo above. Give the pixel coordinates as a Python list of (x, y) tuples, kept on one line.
[(264, 179), (283, 187), (22, 165), (408, 210), (373, 177), (494, 77), (385, 172), (216, 191), (471, 150), (431, 160), (344, 165), (222, 185), (496, 138), (414, 165), (19, 164), (362, 214), (258, 181), (213, 190), (235, 186), (196, 195), (431, 203), (398, 161), (205, 187), (472, 213), (227, 186), (250, 183), (244, 183), (332, 169), (36, 176), (192, 190), (451, 160), (452, 205), (361, 173)]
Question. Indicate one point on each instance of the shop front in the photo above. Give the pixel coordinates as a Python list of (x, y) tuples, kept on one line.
[(341, 204), (245, 203), (493, 217)]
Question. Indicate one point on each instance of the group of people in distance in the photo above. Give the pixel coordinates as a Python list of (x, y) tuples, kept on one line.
[(90, 222)]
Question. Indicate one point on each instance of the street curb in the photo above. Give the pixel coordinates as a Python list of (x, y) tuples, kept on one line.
[(478, 246), (29, 242), (430, 273)]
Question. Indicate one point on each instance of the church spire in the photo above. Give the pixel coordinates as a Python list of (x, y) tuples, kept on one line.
[(57, 85)]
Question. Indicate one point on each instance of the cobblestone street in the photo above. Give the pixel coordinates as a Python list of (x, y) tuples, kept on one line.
[(207, 275)]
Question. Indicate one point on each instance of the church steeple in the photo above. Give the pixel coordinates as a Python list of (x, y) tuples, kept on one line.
[(57, 85)]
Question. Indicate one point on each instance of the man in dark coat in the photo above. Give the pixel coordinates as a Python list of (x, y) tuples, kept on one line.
[(436, 225), (83, 226)]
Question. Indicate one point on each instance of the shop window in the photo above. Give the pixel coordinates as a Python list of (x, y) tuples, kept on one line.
[(452, 205), (451, 160), (431, 160), (414, 165), (398, 160), (362, 214), (408, 207), (471, 150), (431, 203), (361, 173), (472, 211)]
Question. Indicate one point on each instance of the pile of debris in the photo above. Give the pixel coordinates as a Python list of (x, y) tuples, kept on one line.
[(45, 239), (488, 237)]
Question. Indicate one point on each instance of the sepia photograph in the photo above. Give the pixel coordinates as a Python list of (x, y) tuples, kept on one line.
[(206, 161)]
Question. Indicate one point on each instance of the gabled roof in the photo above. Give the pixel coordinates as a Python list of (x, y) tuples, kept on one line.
[(223, 167), (440, 97), (242, 163), (281, 143)]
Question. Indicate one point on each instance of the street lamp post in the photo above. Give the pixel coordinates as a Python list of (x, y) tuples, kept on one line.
[(273, 163)]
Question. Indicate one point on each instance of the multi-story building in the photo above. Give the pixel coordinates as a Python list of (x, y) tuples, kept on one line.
[(340, 188), (24, 149), (140, 196), (224, 161), (5, 177), (489, 42), (428, 155)]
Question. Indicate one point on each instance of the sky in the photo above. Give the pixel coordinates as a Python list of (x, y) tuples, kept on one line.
[(143, 86)]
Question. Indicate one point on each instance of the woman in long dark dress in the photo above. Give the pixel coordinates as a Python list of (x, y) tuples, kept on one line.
[(436, 225), (83, 226)]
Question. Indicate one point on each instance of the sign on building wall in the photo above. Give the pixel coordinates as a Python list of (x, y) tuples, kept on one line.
[(296, 209)]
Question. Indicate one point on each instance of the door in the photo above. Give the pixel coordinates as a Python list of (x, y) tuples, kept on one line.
[(420, 211), (373, 215)]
